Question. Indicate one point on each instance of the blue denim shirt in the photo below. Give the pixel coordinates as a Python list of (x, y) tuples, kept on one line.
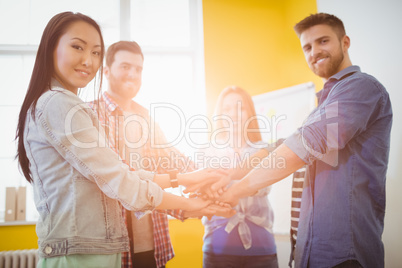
[(78, 181), (345, 141)]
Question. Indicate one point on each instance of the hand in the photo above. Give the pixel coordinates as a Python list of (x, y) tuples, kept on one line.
[(201, 179), (223, 210), (220, 186), (195, 204), (217, 188), (213, 209), (229, 197)]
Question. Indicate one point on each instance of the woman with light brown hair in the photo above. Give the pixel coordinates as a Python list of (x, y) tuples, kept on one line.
[(245, 239)]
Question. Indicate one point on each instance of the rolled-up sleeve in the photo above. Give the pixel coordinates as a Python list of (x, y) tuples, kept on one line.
[(344, 114)]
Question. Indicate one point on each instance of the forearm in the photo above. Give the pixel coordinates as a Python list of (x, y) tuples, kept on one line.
[(240, 172), (273, 168), (185, 179), (171, 201), (163, 180)]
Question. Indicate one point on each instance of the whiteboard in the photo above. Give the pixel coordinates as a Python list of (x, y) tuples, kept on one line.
[(280, 113)]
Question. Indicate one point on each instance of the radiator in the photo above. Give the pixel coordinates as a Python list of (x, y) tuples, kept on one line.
[(19, 258)]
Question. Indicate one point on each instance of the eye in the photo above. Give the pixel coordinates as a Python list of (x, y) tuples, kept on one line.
[(96, 53), (307, 48), (77, 47)]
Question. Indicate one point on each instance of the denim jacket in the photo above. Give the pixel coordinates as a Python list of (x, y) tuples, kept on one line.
[(78, 182)]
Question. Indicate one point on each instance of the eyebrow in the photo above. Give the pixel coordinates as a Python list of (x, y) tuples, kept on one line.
[(79, 39), (316, 40), (130, 64), (125, 63), (322, 37)]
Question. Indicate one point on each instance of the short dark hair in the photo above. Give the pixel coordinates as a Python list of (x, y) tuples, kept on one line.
[(321, 18), (130, 46)]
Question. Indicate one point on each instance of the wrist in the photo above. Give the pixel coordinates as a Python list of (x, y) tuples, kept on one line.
[(181, 179), (186, 205), (236, 191), (173, 175)]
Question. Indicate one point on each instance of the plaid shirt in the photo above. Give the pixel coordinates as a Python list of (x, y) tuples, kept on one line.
[(112, 118)]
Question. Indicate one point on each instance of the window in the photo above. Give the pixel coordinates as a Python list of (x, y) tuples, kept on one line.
[(169, 32)]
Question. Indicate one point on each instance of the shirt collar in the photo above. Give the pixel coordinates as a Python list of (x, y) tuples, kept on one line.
[(55, 83), (335, 79), (347, 71), (111, 105)]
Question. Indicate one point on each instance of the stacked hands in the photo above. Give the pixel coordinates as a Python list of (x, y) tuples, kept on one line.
[(208, 193)]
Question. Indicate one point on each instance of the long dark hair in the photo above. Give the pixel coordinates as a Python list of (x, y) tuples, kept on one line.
[(42, 74)]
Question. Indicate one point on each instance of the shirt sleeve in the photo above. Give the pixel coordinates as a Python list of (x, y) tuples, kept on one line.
[(347, 112), (177, 213), (73, 130)]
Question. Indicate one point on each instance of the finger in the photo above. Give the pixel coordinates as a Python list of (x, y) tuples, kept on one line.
[(208, 211), (193, 195), (214, 206), (192, 188), (223, 182), (221, 172), (216, 194), (210, 193), (218, 203), (208, 201)]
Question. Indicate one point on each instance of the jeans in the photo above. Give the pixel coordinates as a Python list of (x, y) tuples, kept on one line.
[(234, 261)]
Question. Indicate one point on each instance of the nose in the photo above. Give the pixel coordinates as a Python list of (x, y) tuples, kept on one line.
[(315, 50), (233, 113), (87, 59), (133, 73)]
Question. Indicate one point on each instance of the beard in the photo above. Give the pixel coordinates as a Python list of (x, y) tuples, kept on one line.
[(331, 66), (124, 87)]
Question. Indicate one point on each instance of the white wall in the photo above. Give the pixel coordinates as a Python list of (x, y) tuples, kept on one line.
[(374, 28)]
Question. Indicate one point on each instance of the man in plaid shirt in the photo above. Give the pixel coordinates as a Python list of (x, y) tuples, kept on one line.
[(128, 127)]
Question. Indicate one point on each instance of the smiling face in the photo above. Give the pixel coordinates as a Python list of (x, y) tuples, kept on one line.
[(325, 53), (125, 75), (77, 56)]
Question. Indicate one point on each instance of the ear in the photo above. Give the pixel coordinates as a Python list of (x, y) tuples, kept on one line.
[(106, 71), (346, 43)]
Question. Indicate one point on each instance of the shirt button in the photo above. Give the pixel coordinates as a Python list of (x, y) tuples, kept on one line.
[(48, 250)]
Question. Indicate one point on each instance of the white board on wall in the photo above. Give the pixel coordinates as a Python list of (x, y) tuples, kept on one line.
[(280, 113)]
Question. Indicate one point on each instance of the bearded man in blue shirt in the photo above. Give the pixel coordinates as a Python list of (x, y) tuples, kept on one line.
[(345, 143)]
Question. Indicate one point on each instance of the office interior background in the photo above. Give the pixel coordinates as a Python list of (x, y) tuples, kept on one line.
[(193, 49)]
